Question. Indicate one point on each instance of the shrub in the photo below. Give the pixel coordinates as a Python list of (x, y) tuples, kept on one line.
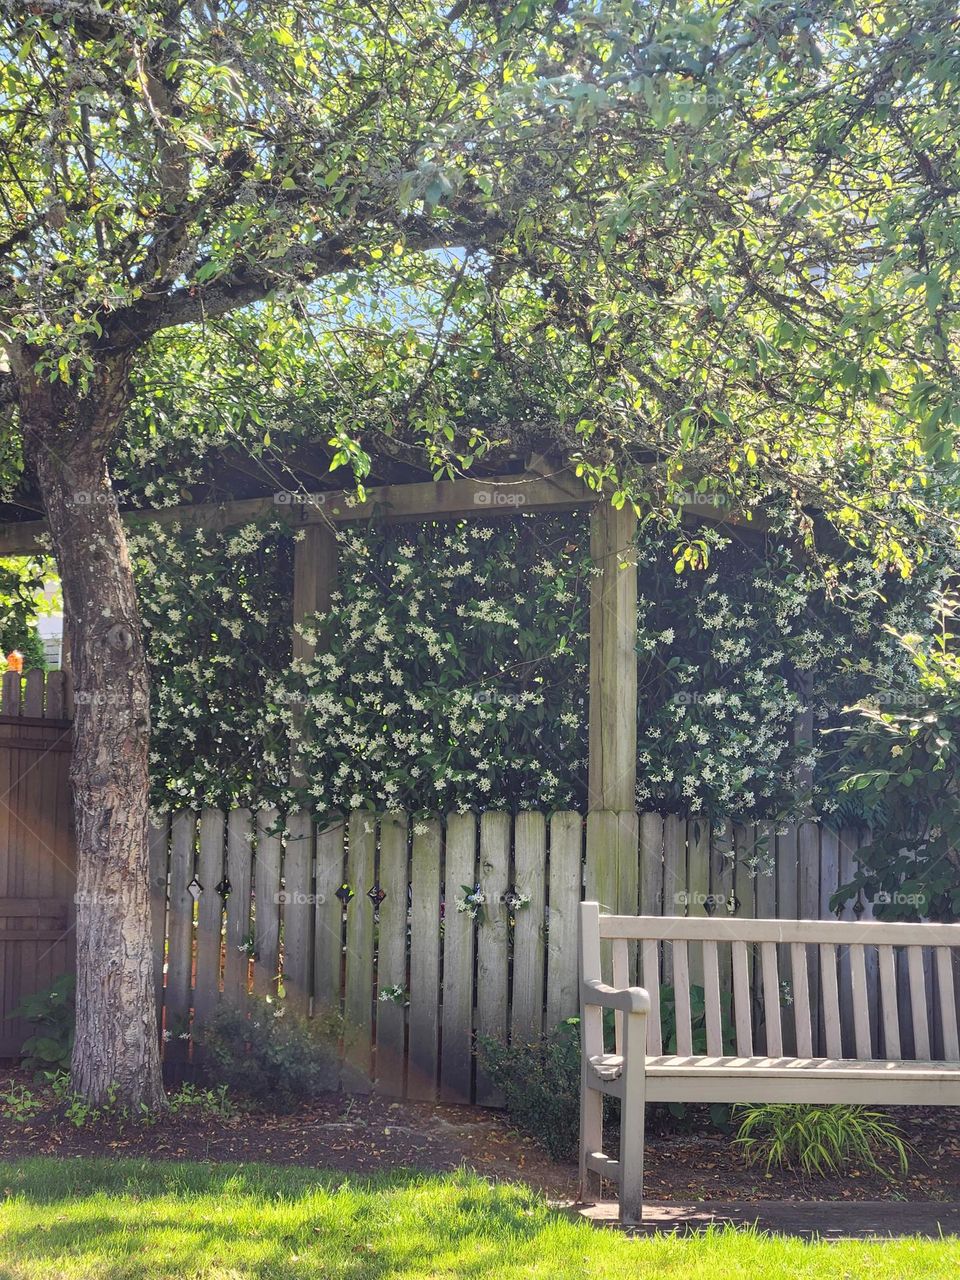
[(264, 1052), (52, 1012), (818, 1139), (541, 1085)]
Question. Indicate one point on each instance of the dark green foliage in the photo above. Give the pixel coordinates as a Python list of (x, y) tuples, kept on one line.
[(51, 1011), (26, 638), (902, 762), (267, 1054), (698, 1020), (719, 1111), (541, 1085), (21, 581)]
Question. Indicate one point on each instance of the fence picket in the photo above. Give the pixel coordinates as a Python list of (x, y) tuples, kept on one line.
[(530, 856), (328, 918), (358, 993), (159, 837), (492, 941), (415, 979), (297, 911), (565, 880), (209, 915), (808, 902), (176, 1005), (237, 940), (266, 889), (392, 989), (424, 961), (698, 885), (456, 1065)]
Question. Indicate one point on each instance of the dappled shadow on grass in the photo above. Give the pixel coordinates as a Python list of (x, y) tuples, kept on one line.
[(131, 1220)]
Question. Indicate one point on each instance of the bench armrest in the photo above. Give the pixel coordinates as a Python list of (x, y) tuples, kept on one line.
[(626, 999)]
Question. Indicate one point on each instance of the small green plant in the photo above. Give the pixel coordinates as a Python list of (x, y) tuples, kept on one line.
[(203, 1103), (80, 1112), (819, 1139), (52, 1012), (266, 1053), (58, 1083), (20, 1104), (541, 1085)]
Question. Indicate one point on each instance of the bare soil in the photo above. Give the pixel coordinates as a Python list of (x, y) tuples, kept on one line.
[(368, 1134)]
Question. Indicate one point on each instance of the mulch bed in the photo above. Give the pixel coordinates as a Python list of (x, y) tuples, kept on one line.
[(369, 1134)]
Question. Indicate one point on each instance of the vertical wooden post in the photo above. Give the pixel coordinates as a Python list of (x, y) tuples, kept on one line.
[(613, 659), (612, 865), (314, 582)]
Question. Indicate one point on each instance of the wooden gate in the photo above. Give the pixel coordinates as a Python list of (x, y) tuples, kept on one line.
[(37, 860)]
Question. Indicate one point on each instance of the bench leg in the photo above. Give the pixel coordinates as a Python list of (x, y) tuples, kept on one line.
[(591, 1138), (632, 1109)]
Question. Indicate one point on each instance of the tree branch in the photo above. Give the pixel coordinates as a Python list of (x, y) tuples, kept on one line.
[(252, 282)]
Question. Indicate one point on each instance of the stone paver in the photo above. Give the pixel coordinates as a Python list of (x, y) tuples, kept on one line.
[(826, 1219)]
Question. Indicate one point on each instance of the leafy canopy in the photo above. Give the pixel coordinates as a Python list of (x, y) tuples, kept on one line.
[(718, 240)]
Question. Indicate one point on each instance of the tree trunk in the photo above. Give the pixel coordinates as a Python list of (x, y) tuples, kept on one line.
[(67, 435)]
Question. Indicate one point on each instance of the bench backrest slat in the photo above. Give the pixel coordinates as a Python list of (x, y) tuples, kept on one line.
[(650, 978), (860, 1001), (839, 932), (948, 1004), (806, 1009), (800, 974), (889, 1004), (711, 999), (831, 1000), (681, 992), (771, 999), (743, 1012), (918, 1002), (621, 978)]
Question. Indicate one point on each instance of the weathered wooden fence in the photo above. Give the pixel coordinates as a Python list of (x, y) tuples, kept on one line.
[(360, 920), (37, 867)]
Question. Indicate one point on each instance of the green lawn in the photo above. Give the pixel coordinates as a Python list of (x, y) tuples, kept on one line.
[(135, 1220)]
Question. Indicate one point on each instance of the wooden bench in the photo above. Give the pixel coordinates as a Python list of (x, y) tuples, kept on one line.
[(775, 1056)]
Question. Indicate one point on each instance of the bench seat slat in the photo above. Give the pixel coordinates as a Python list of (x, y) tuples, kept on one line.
[(679, 1065)]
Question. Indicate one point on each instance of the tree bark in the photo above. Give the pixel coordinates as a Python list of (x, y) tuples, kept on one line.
[(67, 435)]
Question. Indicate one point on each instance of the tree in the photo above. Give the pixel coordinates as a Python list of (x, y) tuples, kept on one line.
[(719, 238)]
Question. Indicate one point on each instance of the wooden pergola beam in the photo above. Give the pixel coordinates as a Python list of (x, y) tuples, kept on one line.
[(508, 495), (443, 499)]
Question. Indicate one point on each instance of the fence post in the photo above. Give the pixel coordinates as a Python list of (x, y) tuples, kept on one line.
[(613, 659)]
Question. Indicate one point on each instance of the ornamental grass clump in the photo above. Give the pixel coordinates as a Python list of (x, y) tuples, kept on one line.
[(819, 1139)]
